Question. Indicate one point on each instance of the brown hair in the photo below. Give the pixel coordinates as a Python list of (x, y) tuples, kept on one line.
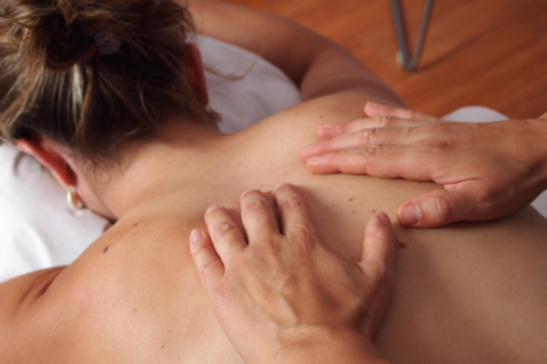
[(57, 80)]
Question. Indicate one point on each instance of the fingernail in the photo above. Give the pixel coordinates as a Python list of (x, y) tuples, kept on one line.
[(372, 104), (384, 219), (212, 208), (196, 235), (307, 148), (411, 215)]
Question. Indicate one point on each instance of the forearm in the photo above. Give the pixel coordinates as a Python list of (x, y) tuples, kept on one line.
[(335, 347), (336, 69), (317, 65), (280, 41)]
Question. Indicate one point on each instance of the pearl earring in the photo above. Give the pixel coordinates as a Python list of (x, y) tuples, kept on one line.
[(73, 198)]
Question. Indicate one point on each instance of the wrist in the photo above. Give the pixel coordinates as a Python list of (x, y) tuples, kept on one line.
[(327, 345)]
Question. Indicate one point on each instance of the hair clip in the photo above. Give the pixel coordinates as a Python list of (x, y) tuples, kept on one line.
[(107, 43)]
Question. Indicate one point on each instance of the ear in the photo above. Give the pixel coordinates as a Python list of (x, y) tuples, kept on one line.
[(50, 157), (193, 66)]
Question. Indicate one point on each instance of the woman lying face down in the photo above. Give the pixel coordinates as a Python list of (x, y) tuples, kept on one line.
[(111, 99)]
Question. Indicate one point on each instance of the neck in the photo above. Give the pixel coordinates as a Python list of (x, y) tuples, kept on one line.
[(182, 157)]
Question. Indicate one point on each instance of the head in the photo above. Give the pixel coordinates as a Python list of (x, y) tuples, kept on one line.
[(82, 79)]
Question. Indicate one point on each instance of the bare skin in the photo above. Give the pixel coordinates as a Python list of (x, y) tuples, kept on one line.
[(468, 293)]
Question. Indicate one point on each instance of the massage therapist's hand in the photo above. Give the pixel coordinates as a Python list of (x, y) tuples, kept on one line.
[(285, 297), (488, 170)]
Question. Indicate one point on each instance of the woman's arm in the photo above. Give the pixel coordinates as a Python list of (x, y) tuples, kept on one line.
[(318, 65)]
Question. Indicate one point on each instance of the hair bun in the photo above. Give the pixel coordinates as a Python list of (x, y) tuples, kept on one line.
[(93, 74), (67, 44)]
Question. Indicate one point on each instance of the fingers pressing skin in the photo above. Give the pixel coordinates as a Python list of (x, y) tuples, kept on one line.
[(295, 213), (208, 263), (385, 121), (433, 209), (378, 264), (386, 125), (284, 289), (379, 247), (224, 232), (363, 160), (488, 170), (441, 207), (257, 215), (374, 110), (372, 137), (386, 161)]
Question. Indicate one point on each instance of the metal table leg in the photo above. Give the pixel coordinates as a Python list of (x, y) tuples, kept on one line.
[(403, 56)]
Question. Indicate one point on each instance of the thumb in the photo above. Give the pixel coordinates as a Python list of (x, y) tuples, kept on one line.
[(208, 263), (438, 208), (380, 249), (543, 117), (378, 264)]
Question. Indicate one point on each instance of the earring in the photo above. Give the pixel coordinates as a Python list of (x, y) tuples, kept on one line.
[(73, 198)]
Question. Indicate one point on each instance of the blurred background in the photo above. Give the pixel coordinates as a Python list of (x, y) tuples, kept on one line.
[(477, 52)]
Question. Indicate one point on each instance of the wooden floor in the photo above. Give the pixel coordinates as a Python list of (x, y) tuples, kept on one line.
[(478, 52)]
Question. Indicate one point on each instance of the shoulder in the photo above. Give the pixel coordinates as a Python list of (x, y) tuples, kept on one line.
[(28, 326), (333, 108)]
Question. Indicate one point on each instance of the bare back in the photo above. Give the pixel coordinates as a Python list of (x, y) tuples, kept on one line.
[(465, 293)]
